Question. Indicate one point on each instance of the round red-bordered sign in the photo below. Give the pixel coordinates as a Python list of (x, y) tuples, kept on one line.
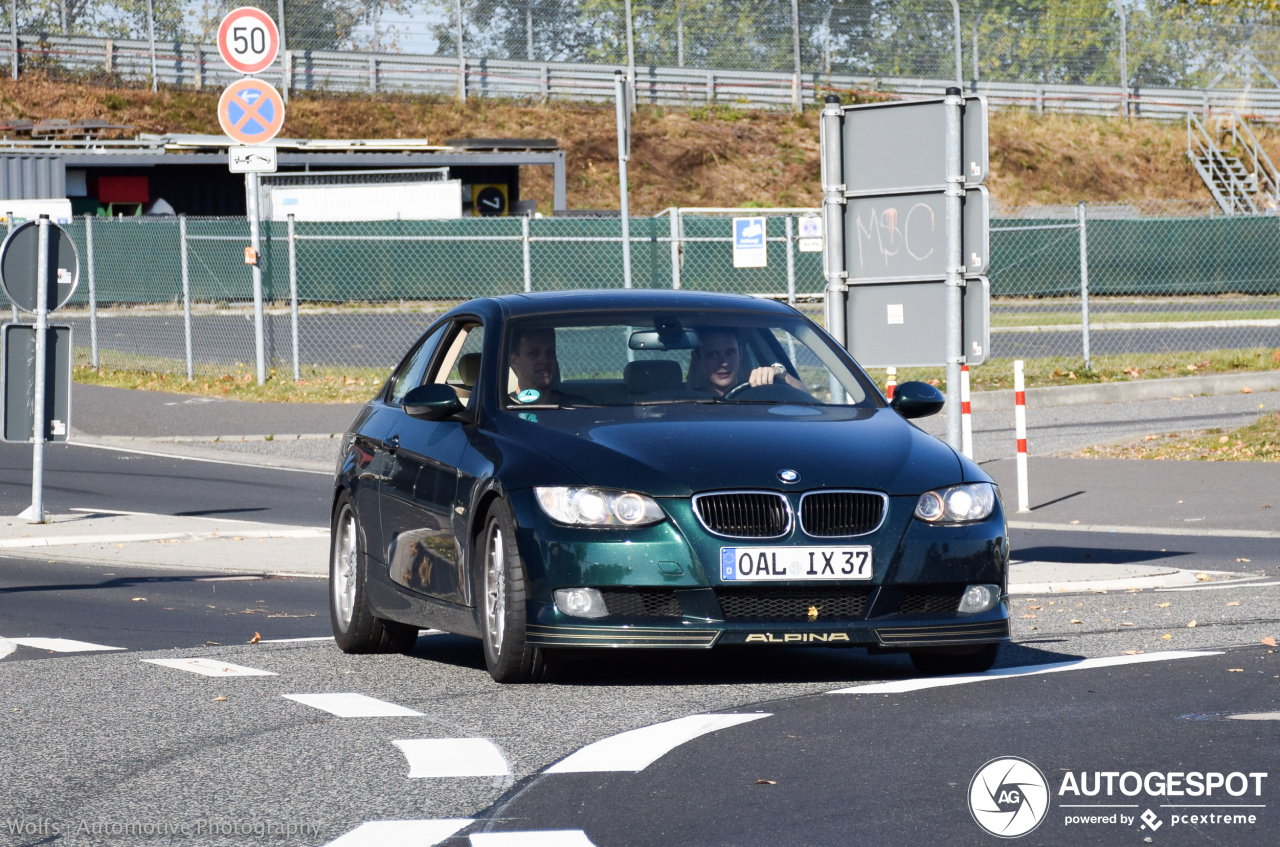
[(251, 111), (248, 40)]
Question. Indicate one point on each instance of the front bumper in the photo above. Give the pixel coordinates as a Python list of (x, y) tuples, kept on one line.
[(663, 588)]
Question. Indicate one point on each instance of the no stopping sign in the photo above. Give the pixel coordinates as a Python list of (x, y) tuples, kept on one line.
[(248, 40)]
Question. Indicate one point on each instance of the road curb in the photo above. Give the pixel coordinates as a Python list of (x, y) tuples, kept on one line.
[(1142, 389)]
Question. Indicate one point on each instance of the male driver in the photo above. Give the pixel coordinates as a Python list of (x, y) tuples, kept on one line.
[(713, 366), (533, 359)]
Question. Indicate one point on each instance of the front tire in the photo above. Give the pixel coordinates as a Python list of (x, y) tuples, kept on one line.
[(355, 628), (501, 595), (952, 660)]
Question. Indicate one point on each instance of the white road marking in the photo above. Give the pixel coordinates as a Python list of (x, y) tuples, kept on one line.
[(904, 685), (1145, 530), (131, 538), (6, 647), (347, 705), (61, 645), (533, 838), (1239, 583), (401, 833), (636, 749), (1256, 716), (431, 758), (209, 667)]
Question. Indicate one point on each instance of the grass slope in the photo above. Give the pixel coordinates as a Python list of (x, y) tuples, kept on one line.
[(702, 156)]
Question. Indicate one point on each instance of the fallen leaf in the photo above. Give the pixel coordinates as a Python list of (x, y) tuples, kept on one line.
[(1235, 670), (1075, 522), (1166, 636), (1269, 641), (219, 699), (1132, 652), (1076, 620), (1191, 625), (1028, 616), (1244, 560), (1035, 608), (1125, 623), (256, 638), (136, 599), (1246, 390), (214, 643), (1162, 605), (1234, 603), (766, 782), (1203, 577)]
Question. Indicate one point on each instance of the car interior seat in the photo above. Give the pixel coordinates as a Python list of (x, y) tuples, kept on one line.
[(655, 375), (468, 373)]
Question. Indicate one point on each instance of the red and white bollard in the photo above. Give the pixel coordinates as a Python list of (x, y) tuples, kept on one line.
[(966, 414), (891, 382), (1020, 430)]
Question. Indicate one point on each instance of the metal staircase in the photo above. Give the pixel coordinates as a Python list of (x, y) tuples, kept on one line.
[(1236, 169)]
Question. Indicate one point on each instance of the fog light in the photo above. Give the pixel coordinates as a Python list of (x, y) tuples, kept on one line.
[(979, 598), (581, 602)]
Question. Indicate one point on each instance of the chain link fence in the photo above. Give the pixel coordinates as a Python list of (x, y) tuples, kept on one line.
[(468, 46), (1128, 288)]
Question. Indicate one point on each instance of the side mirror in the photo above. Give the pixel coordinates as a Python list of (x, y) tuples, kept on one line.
[(916, 400), (432, 402)]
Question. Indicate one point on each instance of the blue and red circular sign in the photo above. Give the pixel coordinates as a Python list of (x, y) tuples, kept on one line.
[(251, 111)]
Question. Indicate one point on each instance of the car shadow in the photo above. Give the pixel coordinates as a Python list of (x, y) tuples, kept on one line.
[(1091, 555), (730, 665)]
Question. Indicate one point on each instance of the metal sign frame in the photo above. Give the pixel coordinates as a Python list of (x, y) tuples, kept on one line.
[(64, 241), (59, 378)]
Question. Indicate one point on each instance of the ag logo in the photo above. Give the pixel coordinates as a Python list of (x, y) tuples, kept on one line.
[(1008, 797)]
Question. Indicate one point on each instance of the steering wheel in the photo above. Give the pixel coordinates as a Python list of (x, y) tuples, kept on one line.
[(780, 392), (735, 391)]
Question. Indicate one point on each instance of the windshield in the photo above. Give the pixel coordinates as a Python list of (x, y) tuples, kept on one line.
[(675, 357)]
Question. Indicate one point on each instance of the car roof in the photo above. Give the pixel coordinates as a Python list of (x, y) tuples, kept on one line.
[(562, 302)]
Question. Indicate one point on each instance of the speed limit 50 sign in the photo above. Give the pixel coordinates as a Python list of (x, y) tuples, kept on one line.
[(248, 40)]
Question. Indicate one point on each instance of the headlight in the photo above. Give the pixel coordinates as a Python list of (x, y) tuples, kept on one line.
[(972, 501), (598, 507)]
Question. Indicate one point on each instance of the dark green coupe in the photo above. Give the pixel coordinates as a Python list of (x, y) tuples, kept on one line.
[(648, 469)]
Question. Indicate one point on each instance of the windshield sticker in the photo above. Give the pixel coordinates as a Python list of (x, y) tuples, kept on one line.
[(528, 416), (529, 395)]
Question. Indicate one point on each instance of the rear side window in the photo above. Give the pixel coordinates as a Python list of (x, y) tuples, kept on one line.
[(412, 370)]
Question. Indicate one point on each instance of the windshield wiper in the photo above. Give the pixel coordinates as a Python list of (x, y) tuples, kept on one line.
[(676, 401)]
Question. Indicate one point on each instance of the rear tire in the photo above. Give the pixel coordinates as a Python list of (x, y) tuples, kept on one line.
[(950, 660), (355, 628), (501, 595)]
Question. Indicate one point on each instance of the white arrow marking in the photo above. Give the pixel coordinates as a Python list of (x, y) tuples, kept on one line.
[(209, 667), (348, 705), (534, 838), (61, 645), (401, 833), (637, 749)]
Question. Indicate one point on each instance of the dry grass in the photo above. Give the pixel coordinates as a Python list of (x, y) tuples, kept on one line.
[(702, 156), (347, 385), (1257, 442)]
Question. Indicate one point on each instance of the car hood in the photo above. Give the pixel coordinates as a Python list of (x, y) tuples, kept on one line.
[(680, 450)]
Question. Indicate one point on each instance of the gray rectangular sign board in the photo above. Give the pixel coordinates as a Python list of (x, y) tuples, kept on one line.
[(889, 147), (18, 380), (904, 325), (904, 236)]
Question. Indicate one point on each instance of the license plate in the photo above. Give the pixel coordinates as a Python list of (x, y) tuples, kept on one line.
[(741, 564)]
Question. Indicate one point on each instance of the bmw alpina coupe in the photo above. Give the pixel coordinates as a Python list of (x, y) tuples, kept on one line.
[(649, 469)]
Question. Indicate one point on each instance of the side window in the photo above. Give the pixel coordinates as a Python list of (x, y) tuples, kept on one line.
[(460, 364), (412, 370)]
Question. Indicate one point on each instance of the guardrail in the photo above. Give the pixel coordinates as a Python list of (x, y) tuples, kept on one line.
[(199, 66)]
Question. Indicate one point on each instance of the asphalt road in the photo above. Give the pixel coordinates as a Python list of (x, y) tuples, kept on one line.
[(92, 478), (153, 609)]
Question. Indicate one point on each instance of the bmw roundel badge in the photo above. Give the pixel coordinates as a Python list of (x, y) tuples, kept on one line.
[(788, 475)]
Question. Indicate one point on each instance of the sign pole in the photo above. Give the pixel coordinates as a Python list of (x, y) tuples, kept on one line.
[(255, 242), (35, 513), (624, 154), (833, 218), (955, 266)]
